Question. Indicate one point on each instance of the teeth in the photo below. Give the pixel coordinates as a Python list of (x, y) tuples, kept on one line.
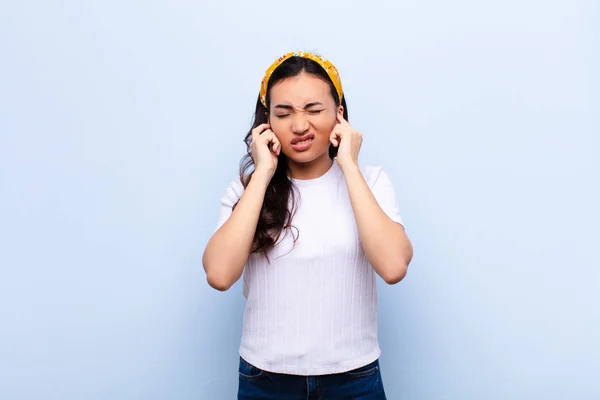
[(305, 141)]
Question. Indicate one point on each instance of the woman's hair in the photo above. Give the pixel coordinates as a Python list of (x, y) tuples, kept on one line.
[(280, 198)]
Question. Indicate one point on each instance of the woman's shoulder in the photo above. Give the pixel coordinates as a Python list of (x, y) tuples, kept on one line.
[(373, 173), (233, 193)]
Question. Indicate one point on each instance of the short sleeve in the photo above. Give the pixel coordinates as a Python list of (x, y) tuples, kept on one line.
[(231, 196), (383, 190)]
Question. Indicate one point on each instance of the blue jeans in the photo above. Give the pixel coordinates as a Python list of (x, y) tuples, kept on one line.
[(360, 384)]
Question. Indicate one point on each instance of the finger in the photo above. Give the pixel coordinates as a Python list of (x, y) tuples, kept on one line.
[(344, 130), (335, 138), (274, 145), (341, 120), (341, 130), (256, 132), (276, 148), (269, 138)]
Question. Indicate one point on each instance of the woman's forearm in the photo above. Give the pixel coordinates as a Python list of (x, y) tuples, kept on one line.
[(385, 242), (228, 249)]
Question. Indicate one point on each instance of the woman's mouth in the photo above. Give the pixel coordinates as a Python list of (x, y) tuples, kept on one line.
[(302, 143)]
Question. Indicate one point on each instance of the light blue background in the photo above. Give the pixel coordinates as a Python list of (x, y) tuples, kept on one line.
[(121, 123)]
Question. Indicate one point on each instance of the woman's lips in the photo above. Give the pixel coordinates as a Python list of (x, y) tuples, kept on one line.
[(302, 143)]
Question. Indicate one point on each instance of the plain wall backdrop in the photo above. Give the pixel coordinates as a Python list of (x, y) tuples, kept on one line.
[(121, 124)]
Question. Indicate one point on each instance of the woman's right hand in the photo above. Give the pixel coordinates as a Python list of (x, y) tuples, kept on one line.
[(265, 149)]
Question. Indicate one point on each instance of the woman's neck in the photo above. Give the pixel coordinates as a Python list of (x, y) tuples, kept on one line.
[(310, 170)]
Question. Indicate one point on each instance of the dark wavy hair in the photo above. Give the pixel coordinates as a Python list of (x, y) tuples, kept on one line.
[(277, 210)]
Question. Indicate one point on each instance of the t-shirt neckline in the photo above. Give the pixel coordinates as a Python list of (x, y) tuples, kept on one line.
[(331, 172)]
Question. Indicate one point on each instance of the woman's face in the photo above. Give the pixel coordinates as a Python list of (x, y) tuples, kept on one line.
[(302, 115)]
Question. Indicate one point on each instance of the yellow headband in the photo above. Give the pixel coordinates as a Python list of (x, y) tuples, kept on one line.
[(327, 66)]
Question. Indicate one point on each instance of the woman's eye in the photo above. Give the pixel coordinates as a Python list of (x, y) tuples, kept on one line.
[(282, 116), (315, 112)]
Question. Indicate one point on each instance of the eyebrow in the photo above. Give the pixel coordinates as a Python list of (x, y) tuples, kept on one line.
[(309, 105)]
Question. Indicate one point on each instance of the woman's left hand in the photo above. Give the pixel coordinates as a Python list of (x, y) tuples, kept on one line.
[(348, 141)]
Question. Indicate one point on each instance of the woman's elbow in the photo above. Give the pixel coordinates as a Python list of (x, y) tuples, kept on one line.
[(395, 274), (215, 278), (218, 283)]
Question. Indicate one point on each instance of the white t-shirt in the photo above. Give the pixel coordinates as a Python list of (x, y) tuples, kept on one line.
[(313, 309)]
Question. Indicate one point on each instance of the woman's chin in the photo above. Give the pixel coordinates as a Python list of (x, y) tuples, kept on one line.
[(308, 156)]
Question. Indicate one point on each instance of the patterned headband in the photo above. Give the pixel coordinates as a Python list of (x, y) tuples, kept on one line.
[(327, 66)]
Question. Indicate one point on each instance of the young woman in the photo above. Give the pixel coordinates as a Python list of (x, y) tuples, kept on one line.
[(309, 229)]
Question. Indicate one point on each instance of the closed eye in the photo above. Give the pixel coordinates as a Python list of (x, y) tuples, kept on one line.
[(310, 112)]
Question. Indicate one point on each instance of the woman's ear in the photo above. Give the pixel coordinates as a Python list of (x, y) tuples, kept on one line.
[(341, 110)]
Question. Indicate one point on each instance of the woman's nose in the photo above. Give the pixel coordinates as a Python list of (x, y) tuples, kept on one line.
[(299, 123)]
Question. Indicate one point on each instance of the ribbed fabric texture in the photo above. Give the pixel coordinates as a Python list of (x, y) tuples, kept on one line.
[(313, 309)]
